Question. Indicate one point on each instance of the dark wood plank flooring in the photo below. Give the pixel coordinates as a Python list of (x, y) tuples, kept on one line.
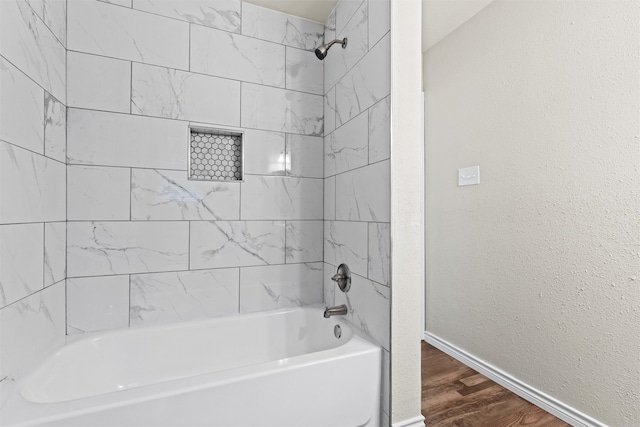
[(454, 395)]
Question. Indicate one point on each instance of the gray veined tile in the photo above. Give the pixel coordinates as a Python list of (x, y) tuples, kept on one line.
[(380, 131), (106, 248), (379, 20), (55, 128), (21, 109), (280, 28), (345, 9), (104, 29), (346, 243), (55, 252), (97, 303), (216, 244), (264, 152), (280, 286), (221, 14), (164, 92), (347, 147), (233, 56), (169, 195), (364, 194), (369, 309), (379, 253), (109, 139), (31, 327), (21, 258), (185, 295), (55, 17), (329, 285), (304, 241), (98, 82), (280, 198), (304, 71), (339, 61), (98, 193), (367, 83), (275, 109), (28, 44), (32, 187), (330, 111), (330, 198), (303, 153)]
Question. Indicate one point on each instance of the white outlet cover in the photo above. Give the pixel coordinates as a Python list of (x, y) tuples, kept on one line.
[(469, 176)]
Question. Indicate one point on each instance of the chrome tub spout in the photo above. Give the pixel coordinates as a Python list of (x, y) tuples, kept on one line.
[(339, 310)]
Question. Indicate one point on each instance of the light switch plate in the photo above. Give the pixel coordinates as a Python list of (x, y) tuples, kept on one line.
[(469, 176)]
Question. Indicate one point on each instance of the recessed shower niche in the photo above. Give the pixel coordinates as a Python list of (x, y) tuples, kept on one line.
[(215, 154)]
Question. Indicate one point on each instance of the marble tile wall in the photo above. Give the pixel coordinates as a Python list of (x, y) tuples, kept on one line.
[(32, 183), (357, 149), (146, 245)]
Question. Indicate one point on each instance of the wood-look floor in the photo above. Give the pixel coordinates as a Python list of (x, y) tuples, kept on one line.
[(454, 395)]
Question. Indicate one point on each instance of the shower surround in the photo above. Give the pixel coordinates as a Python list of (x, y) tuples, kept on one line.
[(101, 228)]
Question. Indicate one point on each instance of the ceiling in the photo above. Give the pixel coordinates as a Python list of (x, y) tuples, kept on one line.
[(441, 17), (315, 10)]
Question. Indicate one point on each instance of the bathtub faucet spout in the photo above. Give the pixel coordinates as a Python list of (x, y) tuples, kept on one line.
[(339, 310)]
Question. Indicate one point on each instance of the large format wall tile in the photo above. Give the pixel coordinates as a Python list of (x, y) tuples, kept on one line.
[(364, 194), (264, 152), (21, 109), (345, 9), (330, 198), (346, 243), (280, 28), (186, 295), (303, 156), (31, 327), (159, 194), (221, 14), (98, 193), (380, 131), (280, 286), (106, 248), (216, 244), (304, 71), (276, 109), (118, 32), (98, 82), (330, 111), (304, 241), (174, 94), (379, 253), (274, 197), (32, 187), (367, 83), (27, 42), (379, 20), (55, 252), (342, 60), (97, 303), (234, 56), (110, 139), (21, 258), (55, 17), (347, 148), (55, 128), (369, 309)]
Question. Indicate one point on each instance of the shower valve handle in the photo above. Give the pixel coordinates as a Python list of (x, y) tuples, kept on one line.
[(343, 278)]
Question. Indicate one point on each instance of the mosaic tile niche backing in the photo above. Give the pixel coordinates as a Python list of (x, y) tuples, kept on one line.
[(215, 155)]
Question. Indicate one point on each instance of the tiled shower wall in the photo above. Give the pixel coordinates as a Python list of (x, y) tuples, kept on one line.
[(32, 181), (356, 168), (146, 245)]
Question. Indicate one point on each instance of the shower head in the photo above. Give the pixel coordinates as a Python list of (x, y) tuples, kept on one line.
[(321, 52)]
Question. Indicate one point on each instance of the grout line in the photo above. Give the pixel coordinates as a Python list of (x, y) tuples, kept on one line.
[(31, 151)]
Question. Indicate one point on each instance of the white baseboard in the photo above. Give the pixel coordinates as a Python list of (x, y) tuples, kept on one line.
[(527, 392), (411, 422)]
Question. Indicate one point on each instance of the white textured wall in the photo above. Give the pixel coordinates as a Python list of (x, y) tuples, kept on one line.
[(406, 216), (536, 270)]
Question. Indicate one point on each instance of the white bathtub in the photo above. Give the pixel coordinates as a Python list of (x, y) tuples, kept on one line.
[(278, 368)]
